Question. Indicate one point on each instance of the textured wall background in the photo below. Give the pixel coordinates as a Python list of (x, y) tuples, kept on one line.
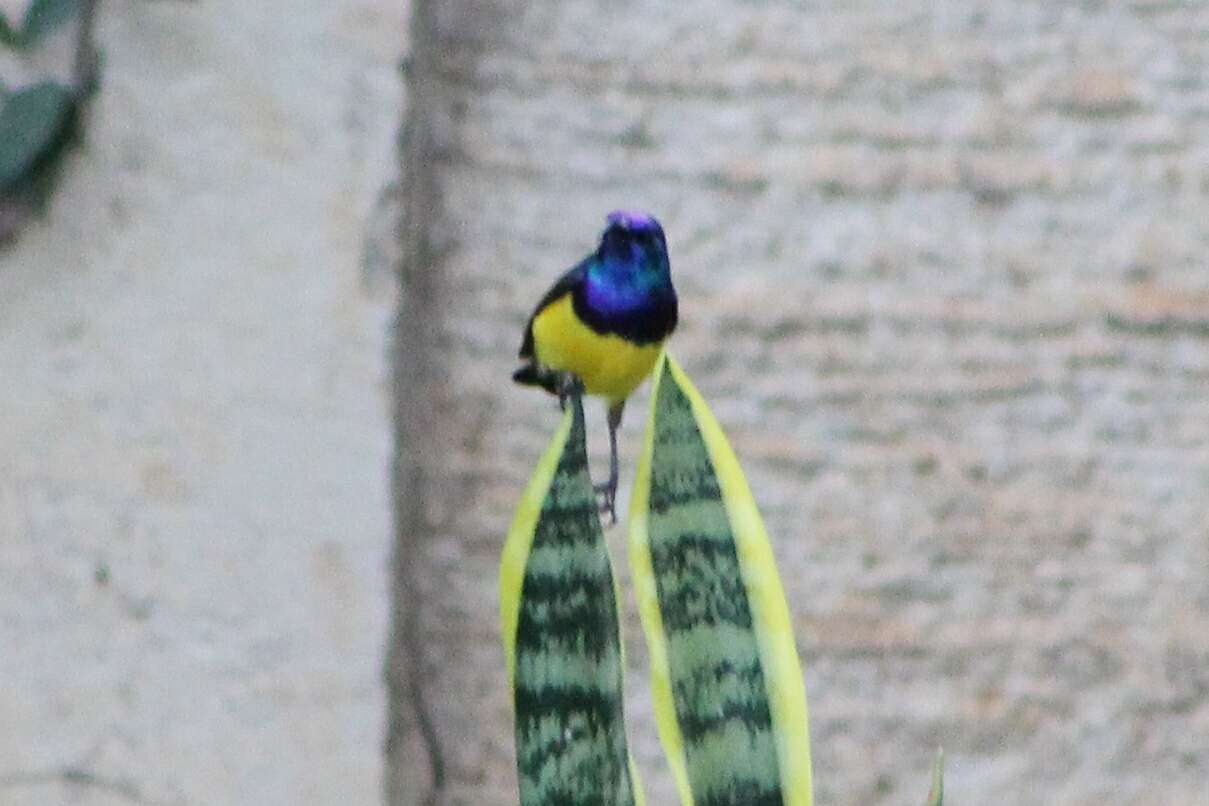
[(193, 432), (942, 278), (939, 274)]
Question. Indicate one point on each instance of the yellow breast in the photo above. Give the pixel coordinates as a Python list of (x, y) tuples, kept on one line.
[(609, 366)]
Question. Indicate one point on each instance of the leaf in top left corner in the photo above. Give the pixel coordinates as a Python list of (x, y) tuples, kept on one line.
[(43, 16), (33, 120)]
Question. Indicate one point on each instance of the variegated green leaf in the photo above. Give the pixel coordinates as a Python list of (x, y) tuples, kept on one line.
[(725, 676), (936, 795), (33, 120), (8, 34), (558, 609), (43, 16)]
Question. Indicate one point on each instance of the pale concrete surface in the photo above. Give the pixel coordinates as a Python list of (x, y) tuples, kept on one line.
[(194, 436), (943, 280)]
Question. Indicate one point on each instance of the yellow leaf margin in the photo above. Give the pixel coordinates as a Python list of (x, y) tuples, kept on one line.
[(515, 557), (520, 540), (770, 614)]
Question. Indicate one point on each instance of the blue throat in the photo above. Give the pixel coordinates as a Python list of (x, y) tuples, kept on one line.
[(627, 283), (626, 280)]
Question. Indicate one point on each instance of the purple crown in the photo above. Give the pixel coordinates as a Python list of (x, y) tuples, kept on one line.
[(633, 220)]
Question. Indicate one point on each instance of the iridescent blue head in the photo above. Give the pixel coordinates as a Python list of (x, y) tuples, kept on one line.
[(630, 268)]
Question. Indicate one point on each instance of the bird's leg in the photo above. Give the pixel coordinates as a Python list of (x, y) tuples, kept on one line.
[(568, 386), (609, 488)]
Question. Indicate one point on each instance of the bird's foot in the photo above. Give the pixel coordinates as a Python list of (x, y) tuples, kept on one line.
[(608, 500), (568, 387)]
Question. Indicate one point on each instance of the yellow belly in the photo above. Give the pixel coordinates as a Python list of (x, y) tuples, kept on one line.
[(609, 366)]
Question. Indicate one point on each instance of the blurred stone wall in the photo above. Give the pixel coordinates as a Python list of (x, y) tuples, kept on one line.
[(194, 435), (939, 274), (942, 281)]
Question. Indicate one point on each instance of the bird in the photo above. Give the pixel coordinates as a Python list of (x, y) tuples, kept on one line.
[(601, 327)]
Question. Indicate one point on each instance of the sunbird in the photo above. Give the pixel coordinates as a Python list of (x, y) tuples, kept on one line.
[(601, 326)]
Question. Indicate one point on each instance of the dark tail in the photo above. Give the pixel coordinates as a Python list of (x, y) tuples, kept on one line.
[(530, 375)]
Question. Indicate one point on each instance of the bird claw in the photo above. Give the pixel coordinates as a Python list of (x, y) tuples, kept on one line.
[(568, 387), (608, 502)]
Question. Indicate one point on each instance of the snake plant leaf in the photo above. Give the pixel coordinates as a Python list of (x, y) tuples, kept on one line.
[(725, 677), (936, 795), (8, 34), (34, 120), (43, 16), (562, 638)]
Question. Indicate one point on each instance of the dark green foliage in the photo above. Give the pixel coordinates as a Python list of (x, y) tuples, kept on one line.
[(37, 122), (34, 123), (9, 35), (570, 731), (44, 16)]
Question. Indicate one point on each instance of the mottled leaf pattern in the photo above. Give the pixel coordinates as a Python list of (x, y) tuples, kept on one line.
[(725, 675), (717, 681), (561, 634)]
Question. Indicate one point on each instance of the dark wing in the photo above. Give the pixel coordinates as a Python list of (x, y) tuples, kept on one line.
[(564, 285)]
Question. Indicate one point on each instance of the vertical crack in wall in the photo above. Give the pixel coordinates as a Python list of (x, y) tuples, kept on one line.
[(419, 390)]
